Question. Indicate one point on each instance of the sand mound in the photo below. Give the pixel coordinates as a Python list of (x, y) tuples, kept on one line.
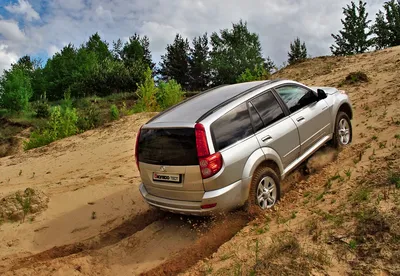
[(20, 204)]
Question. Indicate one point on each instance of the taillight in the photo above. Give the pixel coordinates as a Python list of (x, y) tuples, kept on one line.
[(201, 141), (209, 164), (137, 148)]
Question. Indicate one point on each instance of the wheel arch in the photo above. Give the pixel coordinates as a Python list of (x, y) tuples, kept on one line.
[(263, 157), (346, 108)]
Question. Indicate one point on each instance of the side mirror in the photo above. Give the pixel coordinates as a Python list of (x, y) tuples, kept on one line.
[(321, 94)]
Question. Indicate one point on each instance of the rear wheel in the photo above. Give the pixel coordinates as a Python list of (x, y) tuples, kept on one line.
[(265, 188), (343, 130)]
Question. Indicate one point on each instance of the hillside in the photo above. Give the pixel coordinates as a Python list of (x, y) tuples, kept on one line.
[(341, 218)]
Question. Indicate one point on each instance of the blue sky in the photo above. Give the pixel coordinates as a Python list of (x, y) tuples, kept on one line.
[(41, 28)]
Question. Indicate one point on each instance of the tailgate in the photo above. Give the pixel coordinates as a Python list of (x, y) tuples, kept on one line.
[(169, 164)]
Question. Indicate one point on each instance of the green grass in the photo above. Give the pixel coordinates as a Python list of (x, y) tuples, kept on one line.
[(353, 244), (335, 177), (394, 179), (320, 196), (362, 194), (336, 219), (348, 173)]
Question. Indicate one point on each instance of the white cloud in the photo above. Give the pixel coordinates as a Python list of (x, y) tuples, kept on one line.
[(69, 5), (10, 31), (104, 14), (52, 50), (6, 58), (23, 7)]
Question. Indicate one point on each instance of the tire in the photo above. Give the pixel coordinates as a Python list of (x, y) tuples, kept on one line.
[(267, 177), (343, 134)]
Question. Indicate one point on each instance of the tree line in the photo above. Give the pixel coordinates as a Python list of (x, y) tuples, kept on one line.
[(228, 56)]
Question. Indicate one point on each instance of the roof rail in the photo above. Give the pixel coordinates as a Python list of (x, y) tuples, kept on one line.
[(215, 108), (188, 99)]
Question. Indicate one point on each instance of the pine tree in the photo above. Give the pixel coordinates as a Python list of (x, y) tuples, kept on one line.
[(137, 50), (117, 49), (387, 26), (199, 63), (354, 38), (98, 46), (298, 52), (175, 63), (269, 65), (234, 51)]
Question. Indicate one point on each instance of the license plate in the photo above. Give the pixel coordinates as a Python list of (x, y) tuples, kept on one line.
[(176, 178)]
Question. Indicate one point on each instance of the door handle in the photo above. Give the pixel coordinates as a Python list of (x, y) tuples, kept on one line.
[(266, 138), (300, 119)]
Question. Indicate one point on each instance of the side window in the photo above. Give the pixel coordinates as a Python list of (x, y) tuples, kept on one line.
[(296, 97), (255, 118), (268, 108), (233, 126)]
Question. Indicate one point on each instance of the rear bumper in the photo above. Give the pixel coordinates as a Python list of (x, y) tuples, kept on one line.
[(227, 198)]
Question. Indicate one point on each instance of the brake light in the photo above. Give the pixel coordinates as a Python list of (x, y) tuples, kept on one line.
[(201, 141), (209, 164), (137, 148)]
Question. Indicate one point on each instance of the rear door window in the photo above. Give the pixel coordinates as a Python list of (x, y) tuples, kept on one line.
[(173, 147), (233, 126), (267, 108), (255, 118)]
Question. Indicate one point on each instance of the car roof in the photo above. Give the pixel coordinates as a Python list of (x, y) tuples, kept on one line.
[(198, 106)]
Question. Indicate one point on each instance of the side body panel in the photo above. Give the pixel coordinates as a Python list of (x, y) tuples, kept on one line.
[(313, 122), (282, 138)]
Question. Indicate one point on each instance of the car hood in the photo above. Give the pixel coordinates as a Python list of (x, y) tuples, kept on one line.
[(328, 90)]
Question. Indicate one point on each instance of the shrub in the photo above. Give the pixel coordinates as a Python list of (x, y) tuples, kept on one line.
[(82, 103), (114, 112), (89, 118), (15, 90), (147, 94), (42, 109), (355, 77), (62, 123), (168, 94), (67, 102), (124, 111), (259, 73)]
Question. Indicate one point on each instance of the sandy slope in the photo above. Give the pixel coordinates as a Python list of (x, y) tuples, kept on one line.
[(95, 172), (96, 167)]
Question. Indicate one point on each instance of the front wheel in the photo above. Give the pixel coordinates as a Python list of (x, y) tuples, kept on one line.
[(343, 131), (265, 188)]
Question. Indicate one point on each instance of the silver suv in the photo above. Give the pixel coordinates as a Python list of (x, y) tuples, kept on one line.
[(233, 145)]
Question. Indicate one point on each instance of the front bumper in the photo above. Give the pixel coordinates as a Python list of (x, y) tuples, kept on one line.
[(227, 198)]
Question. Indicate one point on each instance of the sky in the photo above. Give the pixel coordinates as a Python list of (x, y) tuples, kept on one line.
[(41, 28)]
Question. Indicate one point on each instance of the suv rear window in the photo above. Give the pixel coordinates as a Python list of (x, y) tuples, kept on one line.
[(171, 147), (233, 126)]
